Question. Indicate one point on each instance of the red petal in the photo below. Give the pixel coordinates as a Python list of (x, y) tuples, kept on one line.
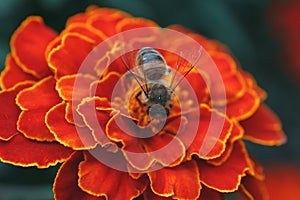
[(88, 31), (10, 111), (28, 45), (213, 130), (106, 20), (67, 134), (150, 195), (105, 86), (264, 127), (100, 180), (254, 189), (96, 113), (72, 116), (236, 134), (141, 153), (35, 103), (13, 74), (74, 87), (32, 124), (209, 194), (66, 181), (25, 152), (40, 95), (65, 60), (180, 182), (133, 23), (226, 177), (243, 107)]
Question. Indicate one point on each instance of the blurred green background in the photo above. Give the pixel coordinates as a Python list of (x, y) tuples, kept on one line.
[(240, 24)]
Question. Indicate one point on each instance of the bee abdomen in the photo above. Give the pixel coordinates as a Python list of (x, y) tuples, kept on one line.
[(151, 63)]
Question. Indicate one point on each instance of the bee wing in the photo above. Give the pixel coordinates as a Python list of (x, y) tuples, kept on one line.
[(186, 61), (128, 59)]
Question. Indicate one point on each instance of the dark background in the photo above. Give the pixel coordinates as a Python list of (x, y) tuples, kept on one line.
[(243, 25)]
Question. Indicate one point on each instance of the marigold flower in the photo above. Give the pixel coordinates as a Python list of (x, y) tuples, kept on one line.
[(45, 119)]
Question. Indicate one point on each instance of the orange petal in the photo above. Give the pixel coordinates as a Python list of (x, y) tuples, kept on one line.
[(67, 58), (104, 87), (264, 127), (254, 189), (141, 153), (40, 95), (226, 177), (106, 20), (72, 116), (210, 194), (150, 195), (29, 43), (67, 134), (10, 111), (66, 181), (98, 179), (32, 124), (210, 139), (96, 113), (134, 23), (25, 152), (35, 102), (180, 182), (13, 74), (251, 83), (236, 134), (244, 107), (86, 30), (74, 87)]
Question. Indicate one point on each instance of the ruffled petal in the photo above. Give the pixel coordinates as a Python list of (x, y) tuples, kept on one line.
[(104, 87), (74, 87), (96, 113), (67, 58), (35, 102), (180, 182), (67, 134), (244, 107), (98, 179), (40, 95), (236, 134), (86, 30), (13, 74), (226, 177), (29, 43), (213, 130), (264, 127), (32, 124), (66, 181), (150, 195), (142, 153), (254, 189), (10, 111), (105, 19), (25, 152), (210, 194)]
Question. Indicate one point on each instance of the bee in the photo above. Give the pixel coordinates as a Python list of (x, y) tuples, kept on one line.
[(156, 92)]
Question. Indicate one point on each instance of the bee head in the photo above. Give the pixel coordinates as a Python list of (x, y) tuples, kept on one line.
[(157, 111)]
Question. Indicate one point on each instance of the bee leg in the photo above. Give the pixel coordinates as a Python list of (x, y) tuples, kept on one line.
[(138, 99)]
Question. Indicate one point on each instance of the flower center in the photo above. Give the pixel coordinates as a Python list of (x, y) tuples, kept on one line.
[(144, 113)]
